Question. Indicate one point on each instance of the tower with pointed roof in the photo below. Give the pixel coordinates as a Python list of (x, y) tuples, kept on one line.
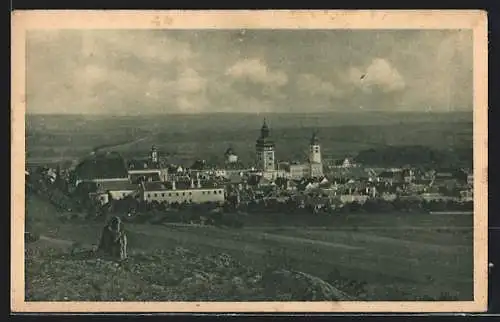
[(153, 155), (315, 161), (265, 150), (314, 149)]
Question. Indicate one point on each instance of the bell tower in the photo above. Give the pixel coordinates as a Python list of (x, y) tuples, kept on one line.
[(265, 150), (314, 149), (315, 161), (153, 155)]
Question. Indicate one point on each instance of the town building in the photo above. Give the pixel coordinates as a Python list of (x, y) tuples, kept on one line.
[(265, 156), (313, 168), (230, 156), (145, 169), (344, 163), (183, 192), (105, 191), (315, 162)]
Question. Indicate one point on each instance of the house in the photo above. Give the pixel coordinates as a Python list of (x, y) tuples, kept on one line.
[(344, 163), (470, 179), (392, 176), (115, 190), (145, 176), (450, 177), (230, 156), (408, 175), (418, 186), (467, 195), (350, 198)]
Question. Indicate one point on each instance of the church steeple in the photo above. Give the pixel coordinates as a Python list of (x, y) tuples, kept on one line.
[(153, 155), (314, 138), (265, 150), (264, 131)]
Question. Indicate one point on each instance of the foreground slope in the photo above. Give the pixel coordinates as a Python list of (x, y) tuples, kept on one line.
[(374, 257)]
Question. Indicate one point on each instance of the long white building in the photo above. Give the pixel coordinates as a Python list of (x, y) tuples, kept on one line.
[(183, 192)]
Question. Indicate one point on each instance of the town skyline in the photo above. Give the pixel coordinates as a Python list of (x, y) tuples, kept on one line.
[(151, 72)]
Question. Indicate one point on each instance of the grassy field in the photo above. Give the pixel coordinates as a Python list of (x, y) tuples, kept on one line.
[(403, 257)]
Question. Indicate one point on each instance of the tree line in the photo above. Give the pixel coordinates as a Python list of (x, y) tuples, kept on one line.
[(416, 155)]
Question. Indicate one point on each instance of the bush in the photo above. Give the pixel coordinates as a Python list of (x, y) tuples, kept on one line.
[(30, 237)]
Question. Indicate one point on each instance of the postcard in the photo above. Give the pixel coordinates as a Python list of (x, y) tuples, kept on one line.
[(249, 161)]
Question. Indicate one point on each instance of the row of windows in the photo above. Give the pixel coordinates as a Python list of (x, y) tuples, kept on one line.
[(177, 194)]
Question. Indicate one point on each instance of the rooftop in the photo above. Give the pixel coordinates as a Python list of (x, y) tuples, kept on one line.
[(116, 186), (314, 139), (141, 164), (235, 166), (102, 167), (154, 176), (180, 185)]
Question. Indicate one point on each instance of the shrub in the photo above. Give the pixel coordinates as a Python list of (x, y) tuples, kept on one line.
[(31, 237)]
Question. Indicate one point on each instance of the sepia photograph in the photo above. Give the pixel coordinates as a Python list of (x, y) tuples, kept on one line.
[(249, 161)]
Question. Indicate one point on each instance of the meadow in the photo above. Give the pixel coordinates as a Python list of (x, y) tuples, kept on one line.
[(398, 256)]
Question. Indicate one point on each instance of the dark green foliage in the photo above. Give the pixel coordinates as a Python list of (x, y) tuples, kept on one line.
[(102, 166), (417, 155)]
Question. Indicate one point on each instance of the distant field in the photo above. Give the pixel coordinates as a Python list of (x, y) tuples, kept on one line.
[(400, 257), (185, 138)]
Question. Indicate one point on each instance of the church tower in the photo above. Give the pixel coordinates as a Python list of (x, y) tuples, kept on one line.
[(153, 155), (265, 150), (315, 161)]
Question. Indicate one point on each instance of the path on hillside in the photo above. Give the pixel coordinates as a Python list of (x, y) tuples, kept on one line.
[(124, 144), (62, 242)]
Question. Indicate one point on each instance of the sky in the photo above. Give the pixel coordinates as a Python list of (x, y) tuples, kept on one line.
[(134, 72)]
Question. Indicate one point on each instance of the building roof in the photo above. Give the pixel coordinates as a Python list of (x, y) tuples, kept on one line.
[(229, 151), (141, 164), (391, 174), (200, 165), (180, 185), (285, 166), (314, 139), (253, 180), (340, 162), (102, 167), (86, 186), (264, 139), (235, 166), (135, 176), (116, 186), (235, 178)]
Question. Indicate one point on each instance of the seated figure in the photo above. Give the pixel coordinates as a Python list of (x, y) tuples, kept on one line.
[(114, 239)]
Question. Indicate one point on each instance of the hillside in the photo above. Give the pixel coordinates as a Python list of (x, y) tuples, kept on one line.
[(372, 256)]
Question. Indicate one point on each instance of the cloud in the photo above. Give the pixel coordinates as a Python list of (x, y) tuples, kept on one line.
[(314, 85), (159, 71), (190, 81), (257, 71), (151, 47), (379, 74)]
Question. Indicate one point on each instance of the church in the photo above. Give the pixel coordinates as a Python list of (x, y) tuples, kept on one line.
[(266, 162)]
